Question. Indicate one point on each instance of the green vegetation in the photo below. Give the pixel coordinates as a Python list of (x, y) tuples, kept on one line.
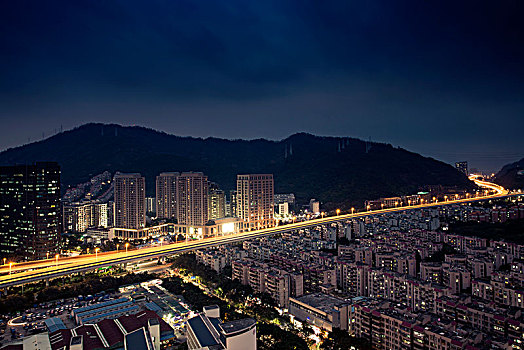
[(197, 299), (235, 301), (272, 337), (510, 231)]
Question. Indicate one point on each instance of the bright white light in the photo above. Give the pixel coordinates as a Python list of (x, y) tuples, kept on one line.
[(228, 227)]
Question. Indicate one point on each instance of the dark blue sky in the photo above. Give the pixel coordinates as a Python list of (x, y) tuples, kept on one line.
[(442, 78)]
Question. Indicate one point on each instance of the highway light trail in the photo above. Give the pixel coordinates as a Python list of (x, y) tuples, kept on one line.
[(44, 269)]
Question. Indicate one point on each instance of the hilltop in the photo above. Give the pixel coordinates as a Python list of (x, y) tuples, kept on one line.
[(337, 171)]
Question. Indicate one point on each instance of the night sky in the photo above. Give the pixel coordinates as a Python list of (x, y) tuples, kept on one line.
[(441, 78)]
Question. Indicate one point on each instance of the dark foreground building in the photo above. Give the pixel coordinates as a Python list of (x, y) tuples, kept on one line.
[(29, 211)]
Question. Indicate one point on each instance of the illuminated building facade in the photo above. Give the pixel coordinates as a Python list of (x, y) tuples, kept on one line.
[(166, 187), (192, 194), (130, 211), (255, 200), (29, 210)]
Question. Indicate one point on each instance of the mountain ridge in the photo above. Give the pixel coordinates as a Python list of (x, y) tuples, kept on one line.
[(336, 170), (511, 175)]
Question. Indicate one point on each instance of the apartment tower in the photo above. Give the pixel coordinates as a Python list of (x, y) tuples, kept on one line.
[(255, 200), (192, 199), (130, 211), (166, 195)]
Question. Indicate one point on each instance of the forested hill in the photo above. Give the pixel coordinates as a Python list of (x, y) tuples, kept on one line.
[(337, 171)]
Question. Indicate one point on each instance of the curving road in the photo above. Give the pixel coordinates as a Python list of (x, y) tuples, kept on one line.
[(45, 269)]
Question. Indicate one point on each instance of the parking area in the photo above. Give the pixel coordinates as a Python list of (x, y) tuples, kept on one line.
[(32, 321)]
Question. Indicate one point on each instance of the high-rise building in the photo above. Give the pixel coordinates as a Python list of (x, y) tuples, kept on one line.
[(130, 211), (78, 217), (255, 200), (192, 193), (232, 204), (166, 195), (314, 206), (110, 214), (29, 210), (150, 205), (216, 204), (462, 167)]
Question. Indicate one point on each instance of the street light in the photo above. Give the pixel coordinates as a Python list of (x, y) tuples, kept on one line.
[(10, 266), (118, 245), (338, 211), (352, 210), (409, 202), (47, 255), (5, 260), (56, 258), (96, 253), (369, 207), (127, 246)]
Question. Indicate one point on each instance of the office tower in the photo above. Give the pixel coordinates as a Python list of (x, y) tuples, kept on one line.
[(233, 204), (255, 200), (29, 210), (216, 204), (130, 211), (462, 166), (192, 192), (166, 187)]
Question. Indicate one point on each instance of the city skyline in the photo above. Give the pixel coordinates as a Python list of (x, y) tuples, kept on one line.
[(261, 175)]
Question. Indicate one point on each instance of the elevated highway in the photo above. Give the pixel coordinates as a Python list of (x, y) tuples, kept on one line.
[(18, 274)]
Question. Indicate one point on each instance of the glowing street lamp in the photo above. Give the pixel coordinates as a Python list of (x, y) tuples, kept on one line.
[(352, 210), (338, 211), (10, 266), (117, 246), (127, 246), (369, 207), (396, 204), (322, 214), (382, 206), (96, 253), (5, 260), (409, 202), (445, 198), (47, 255)]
